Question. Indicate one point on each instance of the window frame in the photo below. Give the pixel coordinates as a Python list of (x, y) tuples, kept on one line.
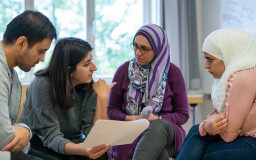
[(90, 25)]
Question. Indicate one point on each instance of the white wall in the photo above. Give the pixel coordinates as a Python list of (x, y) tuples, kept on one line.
[(173, 30), (210, 20)]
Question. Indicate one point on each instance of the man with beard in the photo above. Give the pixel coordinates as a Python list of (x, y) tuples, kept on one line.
[(25, 42)]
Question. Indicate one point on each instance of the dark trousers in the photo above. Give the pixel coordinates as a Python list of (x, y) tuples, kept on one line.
[(20, 155), (38, 149), (196, 147), (156, 143)]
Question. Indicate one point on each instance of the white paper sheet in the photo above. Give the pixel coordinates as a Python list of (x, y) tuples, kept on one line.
[(113, 133), (5, 155)]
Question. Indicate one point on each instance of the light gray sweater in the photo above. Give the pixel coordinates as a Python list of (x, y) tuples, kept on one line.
[(55, 126), (10, 96)]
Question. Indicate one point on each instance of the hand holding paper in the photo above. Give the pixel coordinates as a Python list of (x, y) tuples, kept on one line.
[(110, 132)]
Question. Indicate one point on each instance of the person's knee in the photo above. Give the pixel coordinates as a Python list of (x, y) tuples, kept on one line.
[(158, 127), (194, 129), (194, 136)]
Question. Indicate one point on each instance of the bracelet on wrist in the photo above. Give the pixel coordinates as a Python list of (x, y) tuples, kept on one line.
[(159, 117)]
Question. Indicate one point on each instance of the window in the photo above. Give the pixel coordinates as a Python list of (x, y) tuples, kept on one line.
[(67, 16), (109, 26), (114, 25), (10, 9), (116, 22), (113, 28)]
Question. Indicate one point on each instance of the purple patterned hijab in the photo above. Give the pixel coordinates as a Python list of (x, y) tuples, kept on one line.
[(149, 81)]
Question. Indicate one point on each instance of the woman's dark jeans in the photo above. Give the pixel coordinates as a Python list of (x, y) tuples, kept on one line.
[(196, 147)]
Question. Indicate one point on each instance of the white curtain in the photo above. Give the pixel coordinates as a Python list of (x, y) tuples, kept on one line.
[(178, 19)]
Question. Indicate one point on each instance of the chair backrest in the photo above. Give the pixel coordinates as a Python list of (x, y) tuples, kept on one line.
[(23, 95)]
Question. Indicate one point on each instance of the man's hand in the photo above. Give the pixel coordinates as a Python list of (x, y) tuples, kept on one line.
[(216, 124), (20, 140), (96, 152)]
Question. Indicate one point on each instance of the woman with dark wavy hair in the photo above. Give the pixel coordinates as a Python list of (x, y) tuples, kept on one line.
[(63, 102)]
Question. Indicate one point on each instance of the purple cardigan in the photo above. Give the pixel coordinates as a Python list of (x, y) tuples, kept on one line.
[(175, 107)]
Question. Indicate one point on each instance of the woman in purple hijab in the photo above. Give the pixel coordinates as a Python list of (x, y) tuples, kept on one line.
[(150, 86)]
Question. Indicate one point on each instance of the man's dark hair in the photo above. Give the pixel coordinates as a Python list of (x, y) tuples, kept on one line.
[(33, 25)]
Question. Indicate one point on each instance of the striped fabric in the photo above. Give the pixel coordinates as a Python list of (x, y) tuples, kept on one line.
[(152, 77)]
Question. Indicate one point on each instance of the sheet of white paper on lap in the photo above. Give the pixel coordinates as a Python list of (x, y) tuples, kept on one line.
[(111, 132)]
